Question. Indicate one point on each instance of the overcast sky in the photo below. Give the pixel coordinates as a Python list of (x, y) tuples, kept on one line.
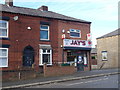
[(102, 13)]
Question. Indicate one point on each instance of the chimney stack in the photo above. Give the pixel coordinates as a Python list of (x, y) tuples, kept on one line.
[(9, 2), (43, 8)]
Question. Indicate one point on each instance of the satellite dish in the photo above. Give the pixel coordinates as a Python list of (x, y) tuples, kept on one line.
[(15, 18)]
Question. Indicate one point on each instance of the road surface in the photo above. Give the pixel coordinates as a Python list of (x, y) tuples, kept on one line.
[(110, 81)]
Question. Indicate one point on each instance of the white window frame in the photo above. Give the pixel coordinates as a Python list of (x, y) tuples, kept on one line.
[(45, 30), (41, 56), (75, 30), (5, 57), (103, 52), (4, 28)]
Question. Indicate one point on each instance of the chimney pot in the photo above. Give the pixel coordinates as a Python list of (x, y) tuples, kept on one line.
[(9, 2), (43, 8)]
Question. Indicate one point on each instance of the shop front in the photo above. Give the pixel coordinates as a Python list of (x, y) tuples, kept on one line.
[(78, 52)]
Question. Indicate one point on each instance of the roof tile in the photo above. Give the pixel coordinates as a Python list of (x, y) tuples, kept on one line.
[(36, 12), (113, 33)]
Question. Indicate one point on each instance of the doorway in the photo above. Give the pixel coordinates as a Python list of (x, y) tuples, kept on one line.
[(78, 57), (28, 56), (80, 63)]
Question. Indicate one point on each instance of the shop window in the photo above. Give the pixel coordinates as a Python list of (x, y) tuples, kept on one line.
[(45, 56), (70, 57), (44, 32), (104, 55), (3, 57), (3, 29), (75, 33)]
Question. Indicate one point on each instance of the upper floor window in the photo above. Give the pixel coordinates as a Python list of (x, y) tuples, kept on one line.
[(44, 32), (75, 33), (3, 57), (3, 28)]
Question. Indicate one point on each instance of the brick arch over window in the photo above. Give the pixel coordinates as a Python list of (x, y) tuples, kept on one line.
[(28, 56)]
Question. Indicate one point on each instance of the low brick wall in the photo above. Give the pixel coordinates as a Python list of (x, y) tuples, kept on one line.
[(17, 75), (58, 70), (94, 67), (94, 61)]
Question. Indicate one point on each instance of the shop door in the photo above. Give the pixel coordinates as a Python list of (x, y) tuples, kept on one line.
[(28, 57), (80, 63)]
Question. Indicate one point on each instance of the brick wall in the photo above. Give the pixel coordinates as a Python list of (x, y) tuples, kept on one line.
[(20, 37), (58, 70), (67, 25), (109, 44), (94, 61), (18, 75)]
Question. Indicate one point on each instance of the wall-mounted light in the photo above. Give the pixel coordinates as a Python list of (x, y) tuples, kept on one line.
[(63, 31), (29, 28), (15, 18), (68, 32)]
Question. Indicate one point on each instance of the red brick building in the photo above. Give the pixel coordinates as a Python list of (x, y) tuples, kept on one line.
[(32, 37)]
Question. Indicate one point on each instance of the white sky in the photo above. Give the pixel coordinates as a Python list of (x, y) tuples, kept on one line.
[(102, 13)]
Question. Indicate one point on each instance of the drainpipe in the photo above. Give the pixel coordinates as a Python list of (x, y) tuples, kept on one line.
[(63, 37), (63, 56), (102, 65), (19, 75)]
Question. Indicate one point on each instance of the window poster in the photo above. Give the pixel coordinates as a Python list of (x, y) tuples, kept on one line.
[(85, 61), (79, 58)]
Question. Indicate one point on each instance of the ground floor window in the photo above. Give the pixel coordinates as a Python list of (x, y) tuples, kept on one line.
[(77, 56), (46, 56), (93, 57), (70, 56), (3, 57), (104, 55)]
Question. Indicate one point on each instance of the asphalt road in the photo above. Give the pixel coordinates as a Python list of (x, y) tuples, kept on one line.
[(110, 81)]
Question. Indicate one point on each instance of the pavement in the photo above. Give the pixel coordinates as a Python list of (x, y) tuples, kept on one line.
[(47, 80)]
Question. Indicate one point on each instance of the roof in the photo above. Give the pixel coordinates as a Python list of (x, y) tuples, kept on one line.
[(93, 50), (38, 13), (113, 33)]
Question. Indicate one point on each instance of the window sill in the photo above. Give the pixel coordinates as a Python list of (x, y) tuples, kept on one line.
[(3, 66), (74, 37), (104, 60), (43, 64), (45, 40), (3, 38)]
